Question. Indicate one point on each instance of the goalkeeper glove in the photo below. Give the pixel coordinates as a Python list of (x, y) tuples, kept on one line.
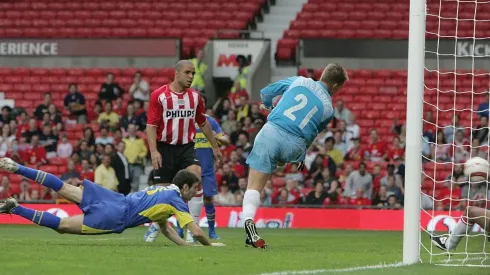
[(301, 165), (263, 107)]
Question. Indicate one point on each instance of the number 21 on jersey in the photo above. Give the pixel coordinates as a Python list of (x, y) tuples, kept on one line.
[(302, 101)]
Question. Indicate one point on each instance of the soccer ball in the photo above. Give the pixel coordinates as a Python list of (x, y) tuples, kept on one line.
[(476, 169)]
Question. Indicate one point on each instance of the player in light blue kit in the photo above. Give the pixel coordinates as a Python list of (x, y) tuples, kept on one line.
[(303, 112)]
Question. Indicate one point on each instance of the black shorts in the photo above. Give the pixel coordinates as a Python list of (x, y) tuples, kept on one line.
[(174, 159)]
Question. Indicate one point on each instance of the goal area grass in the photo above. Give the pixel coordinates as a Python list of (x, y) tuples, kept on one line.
[(28, 249)]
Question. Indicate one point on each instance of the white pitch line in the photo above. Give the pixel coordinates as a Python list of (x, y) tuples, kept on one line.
[(462, 260), (349, 269), (461, 265), (360, 268)]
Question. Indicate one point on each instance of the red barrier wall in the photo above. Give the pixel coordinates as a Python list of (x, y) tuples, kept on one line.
[(357, 219)]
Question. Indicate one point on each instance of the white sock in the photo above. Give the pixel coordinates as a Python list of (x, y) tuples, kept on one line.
[(460, 230), (156, 225), (195, 207), (251, 201)]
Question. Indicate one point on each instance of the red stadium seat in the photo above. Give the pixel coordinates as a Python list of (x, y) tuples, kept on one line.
[(53, 169), (284, 53)]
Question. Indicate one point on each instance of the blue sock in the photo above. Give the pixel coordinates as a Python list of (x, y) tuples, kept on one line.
[(179, 230), (42, 177), (42, 218), (211, 215)]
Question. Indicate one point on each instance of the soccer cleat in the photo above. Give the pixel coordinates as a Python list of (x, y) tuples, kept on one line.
[(248, 242), (8, 165), (8, 205), (190, 238), (440, 242), (152, 233), (213, 235), (253, 238)]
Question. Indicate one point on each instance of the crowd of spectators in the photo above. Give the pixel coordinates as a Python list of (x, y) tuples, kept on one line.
[(106, 143)]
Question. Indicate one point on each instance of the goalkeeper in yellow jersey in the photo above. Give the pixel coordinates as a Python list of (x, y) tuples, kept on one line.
[(471, 215)]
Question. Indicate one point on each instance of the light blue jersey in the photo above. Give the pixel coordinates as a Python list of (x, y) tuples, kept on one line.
[(305, 108)]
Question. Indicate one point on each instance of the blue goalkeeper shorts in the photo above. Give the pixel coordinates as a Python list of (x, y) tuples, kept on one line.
[(104, 210), (273, 145)]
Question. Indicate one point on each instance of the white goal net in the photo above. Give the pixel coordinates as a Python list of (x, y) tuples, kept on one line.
[(455, 125)]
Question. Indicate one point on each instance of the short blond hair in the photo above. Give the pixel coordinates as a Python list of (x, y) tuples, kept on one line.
[(334, 74)]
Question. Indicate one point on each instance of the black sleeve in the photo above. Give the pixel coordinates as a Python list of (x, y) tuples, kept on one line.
[(332, 166), (105, 93)]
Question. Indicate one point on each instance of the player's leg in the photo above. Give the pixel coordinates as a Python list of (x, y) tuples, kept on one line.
[(210, 187), (196, 203), (163, 177), (251, 202), (262, 163), (69, 192), (471, 215), (72, 225), (187, 159)]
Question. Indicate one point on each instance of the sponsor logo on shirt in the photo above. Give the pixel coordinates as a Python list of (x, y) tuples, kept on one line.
[(180, 113)]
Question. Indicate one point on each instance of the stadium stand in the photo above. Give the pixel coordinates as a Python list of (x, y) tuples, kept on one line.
[(27, 87), (116, 19), (359, 20)]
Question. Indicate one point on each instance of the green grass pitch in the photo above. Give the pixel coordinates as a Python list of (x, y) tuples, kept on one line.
[(34, 250)]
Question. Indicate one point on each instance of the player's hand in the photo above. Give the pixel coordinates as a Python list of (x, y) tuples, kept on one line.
[(217, 155), (263, 107), (301, 166), (156, 160), (218, 244)]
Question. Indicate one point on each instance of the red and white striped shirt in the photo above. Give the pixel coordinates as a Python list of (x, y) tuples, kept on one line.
[(175, 114)]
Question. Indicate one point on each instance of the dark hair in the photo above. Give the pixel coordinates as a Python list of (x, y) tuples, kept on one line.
[(110, 145), (8, 108), (204, 99), (330, 139), (185, 177), (72, 84), (362, 164)]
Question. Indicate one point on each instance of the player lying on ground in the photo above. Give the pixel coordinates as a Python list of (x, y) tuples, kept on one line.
[(209, 185), (105, 211), (472, 215), (304, 110)]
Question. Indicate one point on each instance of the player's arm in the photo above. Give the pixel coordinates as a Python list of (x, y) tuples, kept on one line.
[(170, 233), (198, 233), (278, 88), (206, 129), (208, 133), (155, 111), (221, 138)]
